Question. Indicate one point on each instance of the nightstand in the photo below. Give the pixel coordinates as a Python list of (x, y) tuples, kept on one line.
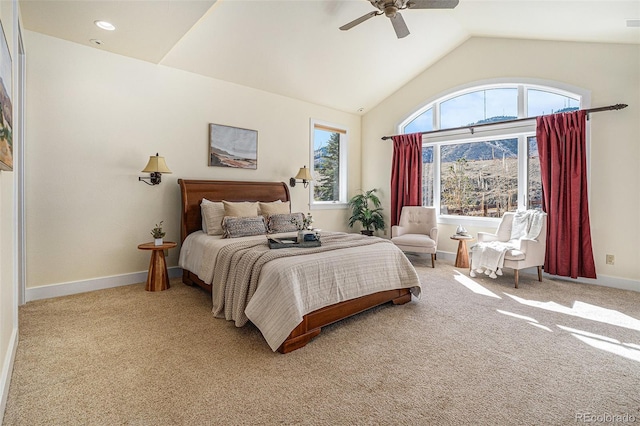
[(462, 257), (158, 277)]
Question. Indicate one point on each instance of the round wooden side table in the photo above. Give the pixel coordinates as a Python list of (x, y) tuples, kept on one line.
[(462, 257), (158, 277)]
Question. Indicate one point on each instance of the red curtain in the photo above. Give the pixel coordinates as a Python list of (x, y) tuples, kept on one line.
[(563, 166), (406, 174)]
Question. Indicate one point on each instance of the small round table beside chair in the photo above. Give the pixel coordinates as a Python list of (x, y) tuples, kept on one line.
[(462, 256), (158, 277)]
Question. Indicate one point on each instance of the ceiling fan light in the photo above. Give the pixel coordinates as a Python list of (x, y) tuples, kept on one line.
[(390, 11)]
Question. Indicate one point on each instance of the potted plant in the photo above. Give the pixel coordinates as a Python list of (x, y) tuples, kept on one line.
[(158, 234), (366, 209)]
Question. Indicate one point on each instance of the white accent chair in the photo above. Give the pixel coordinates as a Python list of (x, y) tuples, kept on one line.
[(417, 231), (531, 252)]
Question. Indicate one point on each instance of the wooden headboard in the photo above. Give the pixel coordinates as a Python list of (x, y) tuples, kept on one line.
[(193, 191)]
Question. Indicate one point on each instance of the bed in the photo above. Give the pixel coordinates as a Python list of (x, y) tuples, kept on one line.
[(311, 323)]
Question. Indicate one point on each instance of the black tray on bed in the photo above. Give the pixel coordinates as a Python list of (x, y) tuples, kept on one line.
[(288, 242)]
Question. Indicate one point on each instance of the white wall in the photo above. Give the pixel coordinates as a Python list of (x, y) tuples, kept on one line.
[(8, 288), (94, 118), (610, 72)]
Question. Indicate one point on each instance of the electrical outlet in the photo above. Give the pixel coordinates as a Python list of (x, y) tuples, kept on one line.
[(611, 259), (166, 253), (384, 231)]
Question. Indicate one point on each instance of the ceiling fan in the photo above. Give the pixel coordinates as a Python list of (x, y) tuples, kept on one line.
[(391, 8)]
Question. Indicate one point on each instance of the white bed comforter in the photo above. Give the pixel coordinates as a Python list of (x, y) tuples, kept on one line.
[(287, 288)]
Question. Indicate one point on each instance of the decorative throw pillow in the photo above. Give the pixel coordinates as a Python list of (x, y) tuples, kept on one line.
[(241, 209), (212, 215), (276, 207), (520, 225), (235, 227), (284, 222)]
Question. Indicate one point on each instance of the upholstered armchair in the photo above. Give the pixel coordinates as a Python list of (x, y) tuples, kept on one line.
[(529, 250), (417, 231)]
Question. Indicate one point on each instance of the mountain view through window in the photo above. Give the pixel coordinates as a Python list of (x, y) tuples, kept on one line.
[(480, 176)]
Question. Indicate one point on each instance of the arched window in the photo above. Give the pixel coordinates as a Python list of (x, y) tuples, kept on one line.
[(491, 169)]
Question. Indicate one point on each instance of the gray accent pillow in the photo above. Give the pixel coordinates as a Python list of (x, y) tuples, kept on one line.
[(282, 222), (235, 227)]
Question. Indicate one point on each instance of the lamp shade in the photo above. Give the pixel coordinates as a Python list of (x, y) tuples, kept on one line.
[(156, 164), (304, 174)]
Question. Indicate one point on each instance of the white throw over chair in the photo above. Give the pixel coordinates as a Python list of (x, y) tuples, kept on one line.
[(524, 243), (417, 231)]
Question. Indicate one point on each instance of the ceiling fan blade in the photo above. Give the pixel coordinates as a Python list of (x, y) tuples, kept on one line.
[(400, 26), (432, 4), (360, 20)]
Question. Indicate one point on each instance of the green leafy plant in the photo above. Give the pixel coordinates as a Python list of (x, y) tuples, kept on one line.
[(366, 209), (157, 232)]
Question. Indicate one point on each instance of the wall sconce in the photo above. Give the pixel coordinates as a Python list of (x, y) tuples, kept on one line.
[(156, 166), (303, 176)]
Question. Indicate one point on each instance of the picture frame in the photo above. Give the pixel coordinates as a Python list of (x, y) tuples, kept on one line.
[(6, 106), (233, 147)]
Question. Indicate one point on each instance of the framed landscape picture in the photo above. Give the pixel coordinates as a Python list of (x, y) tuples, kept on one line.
[(6, 108), (233, 147)]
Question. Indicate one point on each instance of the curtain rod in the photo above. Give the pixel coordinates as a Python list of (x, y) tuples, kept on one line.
[(472, 127)]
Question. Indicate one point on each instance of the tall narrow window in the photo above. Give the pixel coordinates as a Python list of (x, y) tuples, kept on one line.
[(427, 175), (534, 181), (328, 165)]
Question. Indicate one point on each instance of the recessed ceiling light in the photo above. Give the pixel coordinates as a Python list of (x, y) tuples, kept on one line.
[(105, 25), (633, 22)]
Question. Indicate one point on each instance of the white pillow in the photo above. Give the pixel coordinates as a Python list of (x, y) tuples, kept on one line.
[(212, 215), (520, 225)]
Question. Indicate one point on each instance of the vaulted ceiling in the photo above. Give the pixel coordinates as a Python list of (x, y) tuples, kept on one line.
[(294, 47)]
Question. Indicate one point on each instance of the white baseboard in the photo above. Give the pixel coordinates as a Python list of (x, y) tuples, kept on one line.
[(602, 280), (74, 287), (7, 370)]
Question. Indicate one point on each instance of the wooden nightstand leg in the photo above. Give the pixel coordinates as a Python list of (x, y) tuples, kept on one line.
[(158, 277), (462, 257)]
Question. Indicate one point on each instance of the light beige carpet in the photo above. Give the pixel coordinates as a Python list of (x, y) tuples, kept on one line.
[(457, 356)]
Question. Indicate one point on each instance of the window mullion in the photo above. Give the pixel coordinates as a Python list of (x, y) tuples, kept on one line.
[(436, 177), (522, 102), (523, 172)]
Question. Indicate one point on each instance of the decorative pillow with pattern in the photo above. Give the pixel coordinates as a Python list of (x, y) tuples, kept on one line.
[(240, 209), (212, 215), (285, 222), (235, 227)]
